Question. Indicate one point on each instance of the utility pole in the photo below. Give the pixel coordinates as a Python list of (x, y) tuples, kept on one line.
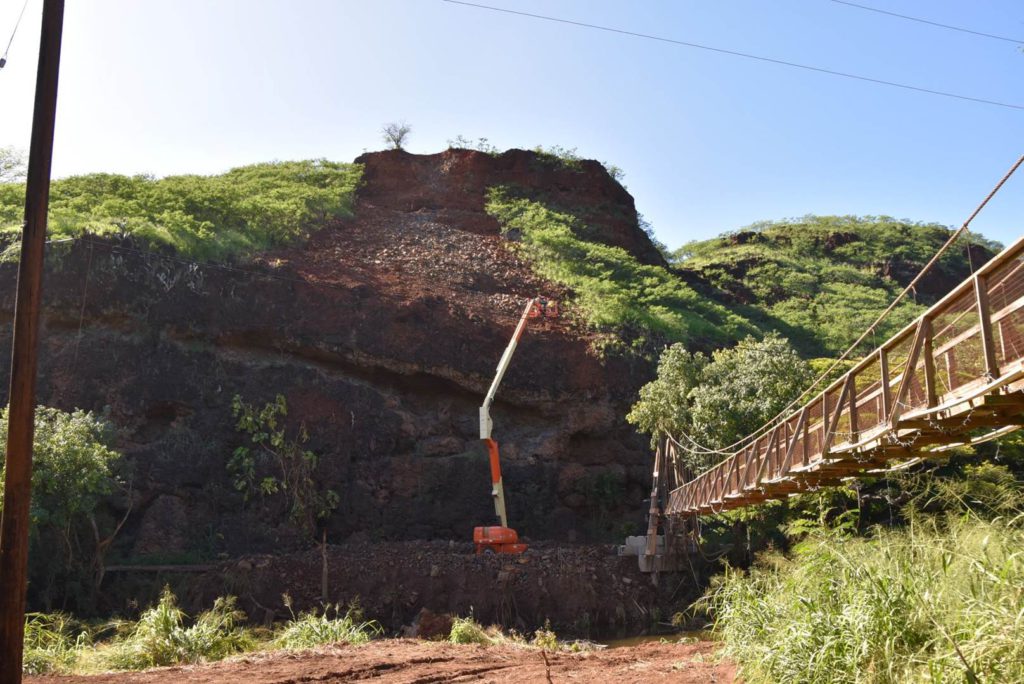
[(14, 528)]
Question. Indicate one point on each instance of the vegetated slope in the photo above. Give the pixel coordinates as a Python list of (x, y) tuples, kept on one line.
[(230, 215), (381, 331), (822, 280)]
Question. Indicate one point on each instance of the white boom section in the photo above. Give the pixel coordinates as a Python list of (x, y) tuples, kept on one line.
[(485, 409)]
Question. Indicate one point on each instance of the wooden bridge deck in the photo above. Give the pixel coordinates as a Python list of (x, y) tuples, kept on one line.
[(954, 377)]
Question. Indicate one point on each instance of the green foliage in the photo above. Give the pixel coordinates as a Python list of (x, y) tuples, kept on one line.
[(52, 643), (460, 142), (939, 601), (468, 631), (558, 156), (546, 638), (234, 214), (614, 292), (72, 465), (160, 637), (719, 400), (328, 626), (73, 470), (984, 489), (276, 462), (821, 280)]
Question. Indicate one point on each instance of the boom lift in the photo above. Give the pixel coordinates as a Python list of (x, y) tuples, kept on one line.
[(502, 538)]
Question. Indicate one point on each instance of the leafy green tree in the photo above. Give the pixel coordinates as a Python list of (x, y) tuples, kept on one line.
[(276, 461), (719, 400), (73, 470)]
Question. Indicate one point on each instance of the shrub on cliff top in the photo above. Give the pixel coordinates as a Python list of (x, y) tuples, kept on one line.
[(237, 213)]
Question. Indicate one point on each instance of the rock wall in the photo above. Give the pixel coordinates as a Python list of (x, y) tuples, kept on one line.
[(382, 332)]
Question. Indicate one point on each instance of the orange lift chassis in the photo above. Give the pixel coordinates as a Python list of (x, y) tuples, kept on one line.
[(501, 538)]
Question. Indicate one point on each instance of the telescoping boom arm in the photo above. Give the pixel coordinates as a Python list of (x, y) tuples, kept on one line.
[(486, 425)]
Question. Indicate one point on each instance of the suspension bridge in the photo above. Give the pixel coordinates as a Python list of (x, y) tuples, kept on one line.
[(952, 378)]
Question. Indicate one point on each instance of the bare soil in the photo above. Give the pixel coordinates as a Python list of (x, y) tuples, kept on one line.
[(408, 661)]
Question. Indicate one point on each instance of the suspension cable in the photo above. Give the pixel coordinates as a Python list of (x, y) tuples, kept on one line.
[(733, 448)]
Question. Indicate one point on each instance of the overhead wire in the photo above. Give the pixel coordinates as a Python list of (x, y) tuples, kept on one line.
[(950, 27), (737, 53), (3, 57)]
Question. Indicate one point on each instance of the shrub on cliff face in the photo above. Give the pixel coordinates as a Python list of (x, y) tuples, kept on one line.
[(237, 213), (276, 462)]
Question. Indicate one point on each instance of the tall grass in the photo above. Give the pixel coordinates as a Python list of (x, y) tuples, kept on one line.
[(161, 636), (52, 643), (939, 601), (328, 626)]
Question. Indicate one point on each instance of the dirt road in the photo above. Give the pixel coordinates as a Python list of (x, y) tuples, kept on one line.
[(412, 661)]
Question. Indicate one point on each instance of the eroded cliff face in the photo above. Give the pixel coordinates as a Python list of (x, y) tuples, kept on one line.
[(383, 333)]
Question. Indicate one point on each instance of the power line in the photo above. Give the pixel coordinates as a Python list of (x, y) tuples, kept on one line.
[(745, 55), (929, 22), (3, 58)]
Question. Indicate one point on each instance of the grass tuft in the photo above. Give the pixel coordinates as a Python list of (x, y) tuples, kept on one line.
[(328, 626)]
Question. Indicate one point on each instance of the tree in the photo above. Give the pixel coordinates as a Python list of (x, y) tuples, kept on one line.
[(395, 134), (12, 165), (73, 469), (719, 400)]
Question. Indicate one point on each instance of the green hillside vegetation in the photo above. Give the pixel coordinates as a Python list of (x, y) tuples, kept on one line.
[(822, 280), (642, 305), (937, 600), (231, 215)]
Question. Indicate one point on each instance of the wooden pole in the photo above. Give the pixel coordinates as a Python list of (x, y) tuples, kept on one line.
[(14, 528)]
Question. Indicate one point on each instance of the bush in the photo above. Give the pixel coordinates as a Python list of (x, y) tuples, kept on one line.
[(160, 637), (73, 469), (939, 601), (318, 628), (468, 631), (238, 213)]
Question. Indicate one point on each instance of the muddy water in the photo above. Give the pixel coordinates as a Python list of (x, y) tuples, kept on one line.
[(683, 637)]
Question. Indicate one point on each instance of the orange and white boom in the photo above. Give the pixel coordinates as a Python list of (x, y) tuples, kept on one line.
[(497, 489)]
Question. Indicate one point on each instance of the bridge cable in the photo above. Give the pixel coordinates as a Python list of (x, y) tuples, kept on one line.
[(732, 448)]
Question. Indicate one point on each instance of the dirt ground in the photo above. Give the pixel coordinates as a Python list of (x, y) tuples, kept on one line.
[(412, 661)]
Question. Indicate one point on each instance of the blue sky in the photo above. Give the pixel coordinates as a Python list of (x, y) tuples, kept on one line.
[(708, 142)]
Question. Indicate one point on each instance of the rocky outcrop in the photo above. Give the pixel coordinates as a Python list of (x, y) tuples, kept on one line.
[(382, 332)]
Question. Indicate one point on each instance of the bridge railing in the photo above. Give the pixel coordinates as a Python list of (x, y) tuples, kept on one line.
[(969, 344)]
